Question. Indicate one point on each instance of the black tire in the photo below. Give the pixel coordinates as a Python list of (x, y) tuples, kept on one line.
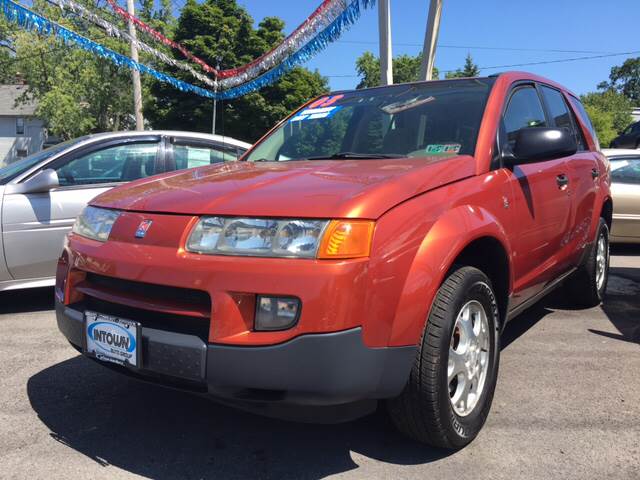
[(582, 287), (424, 410)]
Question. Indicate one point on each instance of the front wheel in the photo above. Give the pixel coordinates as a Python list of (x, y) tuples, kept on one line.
[(448, 396)]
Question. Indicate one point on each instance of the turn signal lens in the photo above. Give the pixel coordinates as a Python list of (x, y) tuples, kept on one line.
[(347, 239)]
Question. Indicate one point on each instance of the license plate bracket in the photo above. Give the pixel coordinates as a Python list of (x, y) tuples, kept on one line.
[(112, 339)]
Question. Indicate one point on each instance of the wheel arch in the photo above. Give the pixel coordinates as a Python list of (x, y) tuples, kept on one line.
[(463, 234), (489, 255)]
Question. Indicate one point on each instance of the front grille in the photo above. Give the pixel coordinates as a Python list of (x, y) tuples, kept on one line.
[(147, 318), (198, 299), (173, 309)]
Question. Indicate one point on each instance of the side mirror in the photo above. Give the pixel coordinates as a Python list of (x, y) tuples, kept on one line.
[(537, 144), (43, 181)]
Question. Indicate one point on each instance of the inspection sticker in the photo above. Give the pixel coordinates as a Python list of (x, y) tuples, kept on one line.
[(315, 113), (443, 148)]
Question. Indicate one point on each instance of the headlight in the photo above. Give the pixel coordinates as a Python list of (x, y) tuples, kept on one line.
[(95, 223), (281, 238), (256, 237)]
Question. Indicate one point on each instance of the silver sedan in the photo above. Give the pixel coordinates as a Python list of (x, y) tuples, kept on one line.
[(41, 195), (625, 189)]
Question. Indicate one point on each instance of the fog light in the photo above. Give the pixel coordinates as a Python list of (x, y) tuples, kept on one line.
[(276, 313)]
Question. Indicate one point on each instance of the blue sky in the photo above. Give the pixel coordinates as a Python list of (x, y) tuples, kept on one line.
[(593, 26)]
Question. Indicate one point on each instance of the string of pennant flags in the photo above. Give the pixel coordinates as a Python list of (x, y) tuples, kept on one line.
[(325, 25), (113, 31)]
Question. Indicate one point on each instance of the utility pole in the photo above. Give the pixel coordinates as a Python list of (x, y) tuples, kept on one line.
[(215, 101), (215, 107), (135, 74), (384, 29), (431, 39)]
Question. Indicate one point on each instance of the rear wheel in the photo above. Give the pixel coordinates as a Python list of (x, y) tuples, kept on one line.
[(588, 285), (448, 396)]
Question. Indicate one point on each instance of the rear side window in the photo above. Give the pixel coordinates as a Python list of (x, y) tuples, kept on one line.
[(582, 113), (626, 170), (524, 111), (560, 114), (190, 155)]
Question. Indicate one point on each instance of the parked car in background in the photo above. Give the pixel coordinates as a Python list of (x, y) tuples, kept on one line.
[(372, 246), (41, 195), (625, 189), (629, 138)]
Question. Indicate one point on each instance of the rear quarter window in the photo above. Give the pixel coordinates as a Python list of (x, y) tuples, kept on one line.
[(584, 117)]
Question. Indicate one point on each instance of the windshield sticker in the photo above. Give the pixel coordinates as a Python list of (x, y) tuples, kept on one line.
[(398, 107), (315, 113), (325, 101), (443, 148)]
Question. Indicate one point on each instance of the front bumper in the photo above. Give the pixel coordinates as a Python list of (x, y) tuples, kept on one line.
[(321, 369)]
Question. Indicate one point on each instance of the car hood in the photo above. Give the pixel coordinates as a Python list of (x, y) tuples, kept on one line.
[(306, 189)]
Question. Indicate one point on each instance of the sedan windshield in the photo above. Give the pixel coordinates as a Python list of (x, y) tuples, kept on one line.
[(400, 121), (9, 172)]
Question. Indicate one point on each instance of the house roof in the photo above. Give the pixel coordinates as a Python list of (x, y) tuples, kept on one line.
[(8, 96)]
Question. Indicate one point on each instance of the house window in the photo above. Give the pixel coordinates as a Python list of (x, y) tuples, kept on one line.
[(19, 126), (21, 152)]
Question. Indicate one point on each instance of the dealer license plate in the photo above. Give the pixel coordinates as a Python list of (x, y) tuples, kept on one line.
[(112, 339)]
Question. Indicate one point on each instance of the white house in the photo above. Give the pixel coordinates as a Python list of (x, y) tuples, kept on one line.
[(21, 134)]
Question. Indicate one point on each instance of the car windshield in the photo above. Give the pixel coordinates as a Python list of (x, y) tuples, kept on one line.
[(400, 121), (9, 172)]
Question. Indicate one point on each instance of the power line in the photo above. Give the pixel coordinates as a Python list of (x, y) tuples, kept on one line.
[(544, 62), (477, 47), (562, 60)]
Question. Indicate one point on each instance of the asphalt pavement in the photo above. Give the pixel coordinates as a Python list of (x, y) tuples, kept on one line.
[(567, 406)]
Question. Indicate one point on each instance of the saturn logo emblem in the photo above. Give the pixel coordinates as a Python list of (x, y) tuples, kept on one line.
[(143, 228)]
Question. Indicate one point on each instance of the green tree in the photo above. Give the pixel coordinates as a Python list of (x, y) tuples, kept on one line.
[(625, 79), (160, 18), (221, 30), (8, 68), (610, 113), (470, 69), (406, 68), (76, 91)]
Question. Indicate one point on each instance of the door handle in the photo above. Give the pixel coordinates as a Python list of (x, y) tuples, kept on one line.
[(562, 180), (595, 173)]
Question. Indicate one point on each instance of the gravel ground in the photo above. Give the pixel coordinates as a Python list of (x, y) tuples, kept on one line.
[(566, 407)]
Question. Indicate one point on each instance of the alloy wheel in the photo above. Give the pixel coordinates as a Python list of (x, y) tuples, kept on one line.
[(468, 363), (602, 258)]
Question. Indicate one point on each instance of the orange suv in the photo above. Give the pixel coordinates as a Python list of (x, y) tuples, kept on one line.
[(372, 246)]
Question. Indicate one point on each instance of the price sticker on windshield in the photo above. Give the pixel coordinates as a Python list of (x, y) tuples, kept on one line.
[(315, 113)]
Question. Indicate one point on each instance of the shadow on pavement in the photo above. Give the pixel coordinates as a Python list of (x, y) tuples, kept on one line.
[(29, 300), (523, 322), (166, 434), (622, 304)]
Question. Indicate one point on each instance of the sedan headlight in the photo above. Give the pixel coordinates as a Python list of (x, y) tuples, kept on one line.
[(95, 223), (263, 237)]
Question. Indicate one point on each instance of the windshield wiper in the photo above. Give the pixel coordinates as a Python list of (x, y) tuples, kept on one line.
[(348, 155)]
